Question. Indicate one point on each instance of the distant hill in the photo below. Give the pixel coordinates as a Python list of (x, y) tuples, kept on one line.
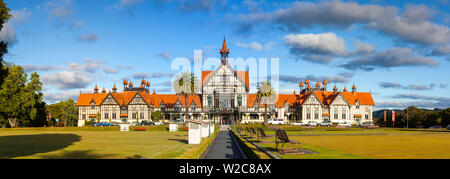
[(380, 113)]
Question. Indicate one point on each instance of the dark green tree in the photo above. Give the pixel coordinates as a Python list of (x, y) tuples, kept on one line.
[(14, 102), (156, 116), (4, 17), (445, 117)]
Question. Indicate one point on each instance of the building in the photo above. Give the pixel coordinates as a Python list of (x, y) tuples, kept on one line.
[(225, 98)]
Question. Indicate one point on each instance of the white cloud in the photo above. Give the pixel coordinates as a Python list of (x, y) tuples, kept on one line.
[(316, 48), (8, 34), (59, 8), (88, 38), (20, 16), (325, 43)]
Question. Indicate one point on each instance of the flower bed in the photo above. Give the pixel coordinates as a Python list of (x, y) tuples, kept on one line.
[(140, 129)]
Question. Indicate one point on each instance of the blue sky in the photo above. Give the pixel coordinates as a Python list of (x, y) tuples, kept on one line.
[(398, 50)]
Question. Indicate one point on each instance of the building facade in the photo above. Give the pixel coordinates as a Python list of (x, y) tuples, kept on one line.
[(225, 98)]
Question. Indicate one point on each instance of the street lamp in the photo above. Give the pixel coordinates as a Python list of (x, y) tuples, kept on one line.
[(209, 117)]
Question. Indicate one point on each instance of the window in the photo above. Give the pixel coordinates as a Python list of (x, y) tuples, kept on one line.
[(335, 116), (84, 116), (316, 116), (114, 115), (209, 101), (133, 116), (106, 115), (367, 116), (357, 107), (343, 116), (92, 106), (308, 116), (239, 99), (142, 116), (193, 105)]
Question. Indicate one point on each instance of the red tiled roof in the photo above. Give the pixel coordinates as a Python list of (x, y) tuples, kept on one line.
[(326, 97)]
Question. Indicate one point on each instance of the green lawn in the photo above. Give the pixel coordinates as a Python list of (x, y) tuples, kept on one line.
[(367, 143), (99, 143)]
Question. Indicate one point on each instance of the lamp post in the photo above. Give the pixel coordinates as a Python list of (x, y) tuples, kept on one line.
[(209, 117), (239, 125)]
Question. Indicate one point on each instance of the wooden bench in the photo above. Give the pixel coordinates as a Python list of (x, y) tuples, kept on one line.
[(261, 134), (252, 131), (282, 138), (247, 131)]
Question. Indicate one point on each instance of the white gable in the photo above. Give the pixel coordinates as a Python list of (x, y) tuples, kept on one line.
[(224, 75), (137, 100), (109, 100), (339, 100), (312, 100)]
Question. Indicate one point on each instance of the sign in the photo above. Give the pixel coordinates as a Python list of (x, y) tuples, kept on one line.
[(195, 132), (205, 130), (173, 127), (393, 116), (124, 127)]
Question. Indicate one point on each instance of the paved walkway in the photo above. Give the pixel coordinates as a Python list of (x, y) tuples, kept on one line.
[(224, 146)]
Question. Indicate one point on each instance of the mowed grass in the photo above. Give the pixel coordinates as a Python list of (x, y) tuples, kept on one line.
[(59, 143), (415, 146), (367, 143)]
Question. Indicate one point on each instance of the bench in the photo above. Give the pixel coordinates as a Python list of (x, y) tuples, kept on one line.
[(282, 138), (247, 131), (261, 134), (252, 131)]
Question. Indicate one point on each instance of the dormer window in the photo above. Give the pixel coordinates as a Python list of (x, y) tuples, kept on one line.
[(163, 106), (193, 105), (286, 106), (177, 106)]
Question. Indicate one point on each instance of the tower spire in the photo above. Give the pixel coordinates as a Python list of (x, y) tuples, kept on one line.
[(224, 52)]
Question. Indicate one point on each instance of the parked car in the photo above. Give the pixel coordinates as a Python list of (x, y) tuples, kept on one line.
[(435, 127), (101, 124), (147, 123), (325, 123), (448, 127), (345, 124), (158, 123), (115, 124), (275, 121), (135, 124), (366, 124), (297, 124), (311, 123)]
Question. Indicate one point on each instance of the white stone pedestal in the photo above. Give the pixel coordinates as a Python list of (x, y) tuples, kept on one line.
[(205, 130), (173, 127), (195, 133), (124, 127)]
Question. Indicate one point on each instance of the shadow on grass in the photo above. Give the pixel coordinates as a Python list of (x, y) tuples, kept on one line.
[(76, 154), (23, 145), (184, 141)]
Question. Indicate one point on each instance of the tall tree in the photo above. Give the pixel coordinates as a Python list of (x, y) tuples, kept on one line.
[(186, 84), (4, 17), (266, 96), (13, 95), (66, 111)]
